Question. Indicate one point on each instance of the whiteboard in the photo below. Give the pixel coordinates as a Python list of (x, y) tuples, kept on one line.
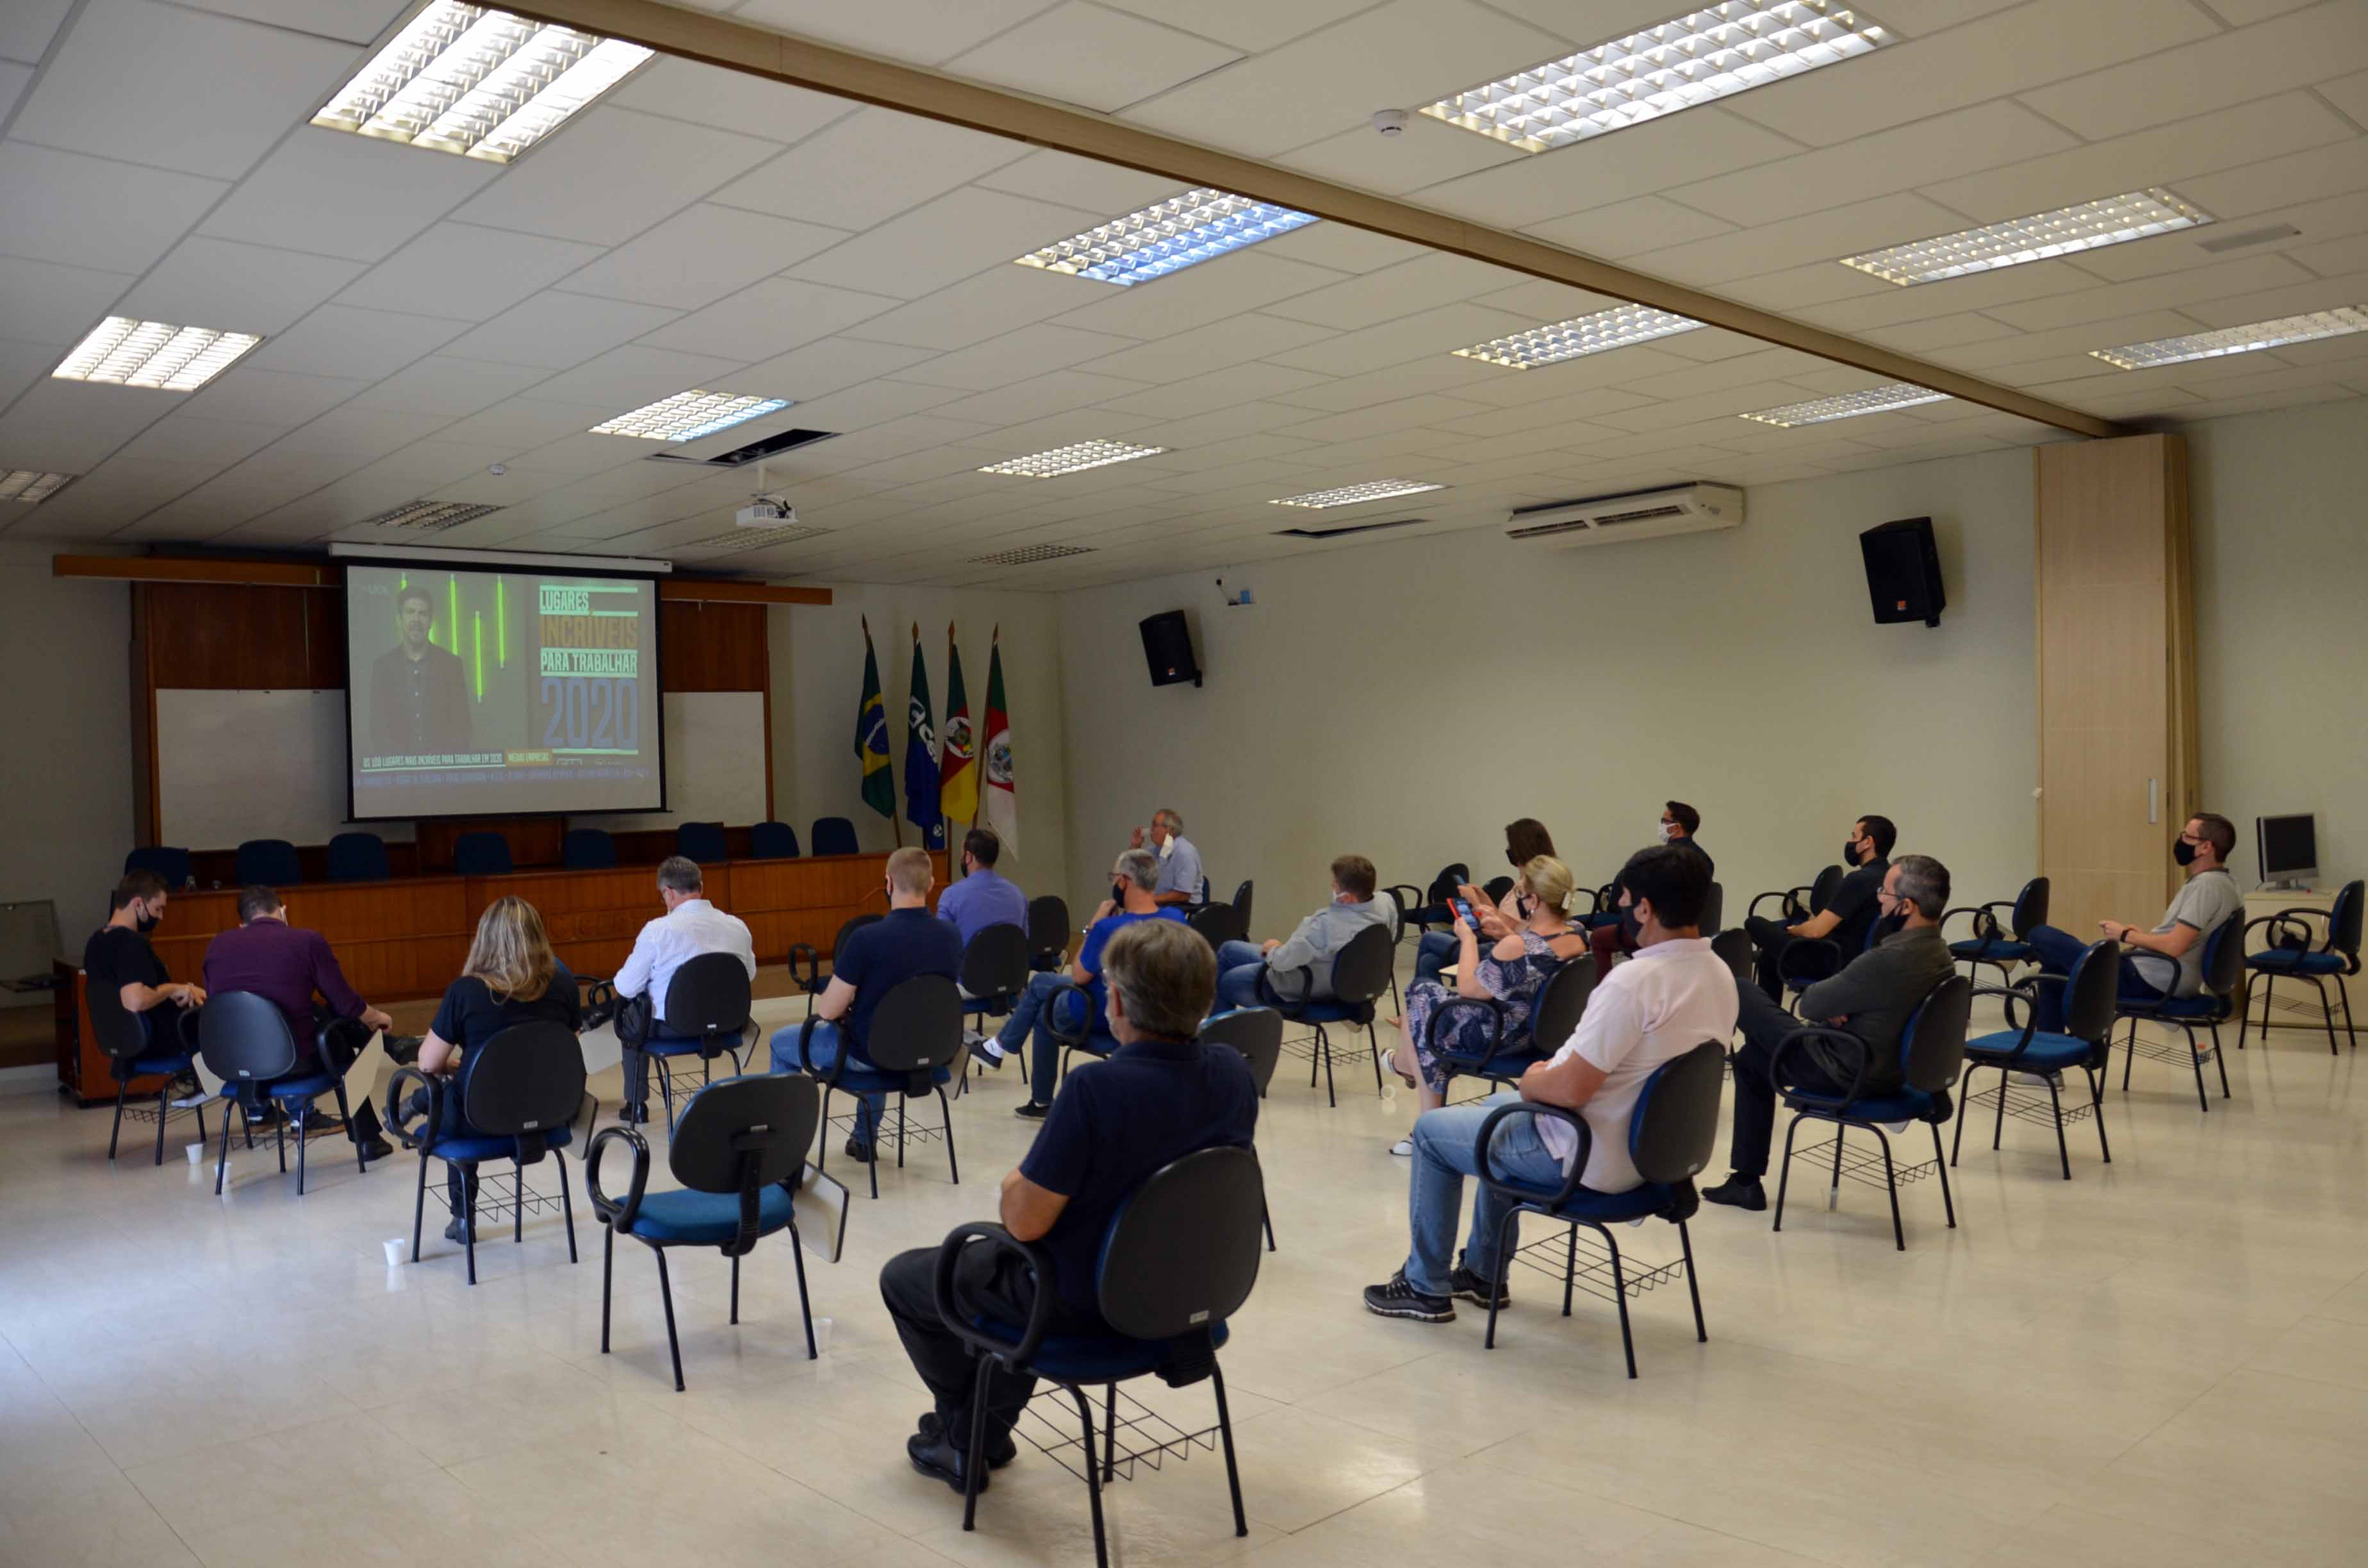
[(714, 763)]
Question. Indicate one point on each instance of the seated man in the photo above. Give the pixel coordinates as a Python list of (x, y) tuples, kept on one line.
[(1159, 1096), (872, 961), (1674, 994), (2169, 959), (1137, 874), (1313, 945), (690, 926), (1526, 838), (1872, 997), (288, 966), (118, 960), (1179, 863), (1845, 918), (984, 897), (1682, 825)]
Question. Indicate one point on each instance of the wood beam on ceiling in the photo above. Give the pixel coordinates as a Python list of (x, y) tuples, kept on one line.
[(199, 569), (678, 590), (911, 89)]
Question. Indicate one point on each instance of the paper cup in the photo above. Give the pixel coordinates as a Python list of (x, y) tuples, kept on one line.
[(397, 1249), (822, 1337), (197, 1154)]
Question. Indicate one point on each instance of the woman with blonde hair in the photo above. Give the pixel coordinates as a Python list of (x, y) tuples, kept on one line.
[(1510, 970), (511, 976)]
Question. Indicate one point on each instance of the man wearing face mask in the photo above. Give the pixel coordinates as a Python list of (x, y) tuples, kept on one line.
[(1846, 918), (1872, 997), (120, 964), (2169, 959), (1682, 825), (1179, 862)]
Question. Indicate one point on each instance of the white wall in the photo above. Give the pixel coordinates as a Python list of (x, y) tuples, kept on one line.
[(1367, 702)]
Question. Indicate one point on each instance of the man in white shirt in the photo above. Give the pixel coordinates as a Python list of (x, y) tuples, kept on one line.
[(1674, 994), (690, 926)]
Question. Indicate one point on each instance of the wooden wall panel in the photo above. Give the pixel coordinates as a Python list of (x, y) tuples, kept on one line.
[(228, 636), (714, 647)]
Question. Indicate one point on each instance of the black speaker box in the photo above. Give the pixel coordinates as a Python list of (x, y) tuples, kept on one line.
[(1168, 648), (1903, 571)]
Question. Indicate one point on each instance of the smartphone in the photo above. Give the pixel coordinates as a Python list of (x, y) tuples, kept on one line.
[(1463, 912)]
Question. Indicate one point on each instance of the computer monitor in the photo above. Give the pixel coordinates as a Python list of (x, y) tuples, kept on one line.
[(2289, 849)]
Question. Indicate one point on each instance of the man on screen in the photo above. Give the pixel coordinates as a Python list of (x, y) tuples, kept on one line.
[(419, 696)]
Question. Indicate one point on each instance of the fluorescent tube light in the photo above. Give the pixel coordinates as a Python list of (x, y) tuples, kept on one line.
[(1614, 328), (2237, 339), (1705, 54), (429, 516), (687, 415), (1167, 238), (477, 82), (1071, 458), (152, 353), (2086, 225), (1030, 554), (29, 485), (1349, 495), (1850, 405)]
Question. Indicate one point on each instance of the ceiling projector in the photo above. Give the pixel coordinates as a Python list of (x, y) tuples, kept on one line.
[(765, 512)]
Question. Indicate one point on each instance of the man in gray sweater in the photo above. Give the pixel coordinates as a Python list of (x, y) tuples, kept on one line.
[(1313, 946), (1872, 997)]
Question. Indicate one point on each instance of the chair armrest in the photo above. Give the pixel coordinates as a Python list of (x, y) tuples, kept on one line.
[(2288, 920), (806, 1053), (1799, 1041), (598, 993), (1788, 901), (811, 981), (1531, 1108), (1276, 999), (1488, 1008), (957, 1318), (436, 1090), (1986, 925), (1051, 1015), (2011, 995), (615, 1215)]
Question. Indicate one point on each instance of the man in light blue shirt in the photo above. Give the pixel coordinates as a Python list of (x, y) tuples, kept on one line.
[(1313, 947), (984, 897), (1179, 863)]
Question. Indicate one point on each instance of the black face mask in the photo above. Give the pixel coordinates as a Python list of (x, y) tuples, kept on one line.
[(2183, 852), (149, 923), (1850, 852), (1631, 928)]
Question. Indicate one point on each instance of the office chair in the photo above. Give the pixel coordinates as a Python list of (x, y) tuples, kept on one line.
[(1048, 933), (1434, 909), (2002, 946), (124, 1036), (515, 1097), (909, 1048), (1931, 1052), (2293, 955), (701, 841), (1733, 946), (2223, 973), (833, 835), (1257, 1033), (993, 973), (812, 980), (1218, 924), (1179, 1259), (1242, 902), (706, 1016), (481, 854), (1497, 888), (1669, 1136), (1509, 1051), (773, 841), (2085, 1043), (1796, 904), (588, 849), (739, 1152), (358, 857), (1712, 911), (1360, 973), (170, 862), (270, 861), (246, 1044)]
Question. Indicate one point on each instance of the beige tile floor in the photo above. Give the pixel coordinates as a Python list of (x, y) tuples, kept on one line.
[(2162, 1363)]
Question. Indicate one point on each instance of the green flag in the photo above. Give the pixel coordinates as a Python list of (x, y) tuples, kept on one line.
[(872, 736)]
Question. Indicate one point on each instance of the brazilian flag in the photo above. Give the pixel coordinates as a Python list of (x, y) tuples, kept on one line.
[(871, 735)]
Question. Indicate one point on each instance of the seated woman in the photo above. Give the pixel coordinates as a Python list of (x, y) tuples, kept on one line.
[(511, 977), (1526, 838), (1522, 954)]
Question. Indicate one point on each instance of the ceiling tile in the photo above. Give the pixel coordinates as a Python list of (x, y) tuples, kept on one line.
[(1435, 279), (1864, 225), (1247, 25), (441, 384), (2348, 93), (1437, 331), (1083, 54), (768, 318), (340, 194), (84, 211), (98, 502), (927, 32), (728, 100), (2231, 69), (627, 378), (557, 330), (14, 79), (1342, 249), (1016, 356), (27, 27), (338, 340), (467, 272), (1626, 228), (23, 366), (962, 233), (1039, 397), (236, 287), (2244, 274), (1211, 347), (869, 167), (1941, 332), (2296, 178), (697, 258), (1424, 153), (1198, 295), (1443, 372), (1640, 160), (1217, 389), (245, 393), (1354, 425), (1083, 182), (985, 306), (1975, 291), (68, 426), (523, 423), (2294, 299), (643, 168), (43, 302), (817, 368), (874, 402)]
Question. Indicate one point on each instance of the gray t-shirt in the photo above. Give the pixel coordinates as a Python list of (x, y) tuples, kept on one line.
[(2209, 898)]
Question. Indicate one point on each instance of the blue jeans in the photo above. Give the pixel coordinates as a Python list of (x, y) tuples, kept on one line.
[(1028, 1016), (826, 1045), (2058, 951), (1434, 952), (1239, 964), (1443, 1149)]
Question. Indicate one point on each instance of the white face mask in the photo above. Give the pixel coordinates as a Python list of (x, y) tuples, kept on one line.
[(1167, 847), (1668, 833)]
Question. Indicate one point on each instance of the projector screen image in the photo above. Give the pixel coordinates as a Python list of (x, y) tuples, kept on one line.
[(471, 693)]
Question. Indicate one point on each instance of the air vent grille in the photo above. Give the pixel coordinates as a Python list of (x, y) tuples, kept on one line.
[(1028, 555), (1347, 529), (741, 539), (430, 517), (1641, 515)]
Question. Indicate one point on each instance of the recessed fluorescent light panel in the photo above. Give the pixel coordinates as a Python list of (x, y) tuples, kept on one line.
[(740, 540), (1071, 458), (2237, 339), (687, 415), (130, 353), (1710, 54), (1028, 555), (478, 82), (1179, 232), (1614, 328), (1349, 495), (2087, 225), (1850, 405), (29, 485), (429, 516)]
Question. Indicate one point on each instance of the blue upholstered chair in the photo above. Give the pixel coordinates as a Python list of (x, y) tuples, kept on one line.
[(2224, 971), (702, 842), (481, 854), (2002, 946), (739, 1152), (2086, 1042), (132, 1054), (833, 835), (1179, 1260), (1670, 1132), (1507, 1052), (167, 860), (270, 861), (707, 1006), (358, 857), (1931, 1052), (1802, 963), (2294, 954), (1257, 1033), (588, 849), (773, 841), (1360, 973), (246, 1044), (910, 1046)]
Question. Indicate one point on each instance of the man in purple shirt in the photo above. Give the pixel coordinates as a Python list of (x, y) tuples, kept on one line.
[(985, 896), (285, 965)]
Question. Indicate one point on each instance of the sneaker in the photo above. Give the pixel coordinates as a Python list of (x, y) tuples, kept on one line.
[(1399, 1299), (1737, 1192), (984, 1049), (859, 1151), (1403, 1148), (186, 1090), (1030, 1111), (1466, 1286)]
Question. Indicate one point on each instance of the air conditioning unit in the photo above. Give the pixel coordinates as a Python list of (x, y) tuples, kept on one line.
[(1640, 514)]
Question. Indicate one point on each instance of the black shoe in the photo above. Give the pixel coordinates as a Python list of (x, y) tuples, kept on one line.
[(859, 1150), (938, 1458), (403, 1050), (1466, 1286), (994, 1058), (378, 1149), (1030, 1111), (1000, 1451), (1737, 1192), (1399, 1299), (453, 1232), (633, 1115), (317, 1122)]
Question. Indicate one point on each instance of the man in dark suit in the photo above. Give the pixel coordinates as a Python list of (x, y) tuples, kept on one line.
[(419, 695)]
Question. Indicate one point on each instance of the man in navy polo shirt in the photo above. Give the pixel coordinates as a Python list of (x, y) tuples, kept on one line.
[(1160, 1096)]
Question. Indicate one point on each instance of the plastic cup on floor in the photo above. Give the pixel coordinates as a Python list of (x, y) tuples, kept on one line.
[(397, 1249), (822, 1337), (197, 1154)]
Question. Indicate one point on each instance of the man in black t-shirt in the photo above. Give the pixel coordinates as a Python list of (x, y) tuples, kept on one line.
[(1846, 918), (123, 970), (1160, 1096)]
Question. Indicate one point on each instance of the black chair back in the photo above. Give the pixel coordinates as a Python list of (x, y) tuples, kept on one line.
[(1714, 915), (1932, 1047), (1442, 886), (1242, 902), (1362, 972), (1255, 1032), (270, 861), (1497, 888), (1733, 949), (122, 1034), (916, 1029), (481, 854), (1676, 1118), (709, 997), (773, 841), (169, 862), (2343, 921), (994, 962), (1218, 922), (1182, 1252), (771, 1116), (2030, 908), (1822, 891), (854, 924), (2224, 957), (1048, 926), (833, 835), (2089, 994), (701, 841), (244, 1038), (1561, 1001), (588, 849), (358, 857), (527, 1080)]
